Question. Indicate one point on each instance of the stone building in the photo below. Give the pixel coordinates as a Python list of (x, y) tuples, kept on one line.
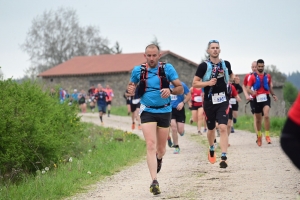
[(110, 69)]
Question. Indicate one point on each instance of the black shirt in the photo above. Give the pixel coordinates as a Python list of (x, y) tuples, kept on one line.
[(221, 85), (238, 88)]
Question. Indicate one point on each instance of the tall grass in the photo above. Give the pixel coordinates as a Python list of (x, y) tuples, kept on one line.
[(106, 152)]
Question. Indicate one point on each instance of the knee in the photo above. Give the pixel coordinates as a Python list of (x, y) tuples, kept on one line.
[(266, 117), (151, 146)]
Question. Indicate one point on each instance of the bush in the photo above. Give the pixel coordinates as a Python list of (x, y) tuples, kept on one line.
[(35, 129)]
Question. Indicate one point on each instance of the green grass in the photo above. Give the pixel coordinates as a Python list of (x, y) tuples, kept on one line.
[(106, 152)]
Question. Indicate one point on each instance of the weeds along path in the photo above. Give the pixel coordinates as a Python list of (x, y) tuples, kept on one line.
[(253, 172)]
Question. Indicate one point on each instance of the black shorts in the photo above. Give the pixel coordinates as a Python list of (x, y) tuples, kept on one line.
[(259, 106), (235, 107), (162, 119), (178, 115), (133, 107), (195, 107), (230, 116), (108, 102), (92, 107), (216, 113)]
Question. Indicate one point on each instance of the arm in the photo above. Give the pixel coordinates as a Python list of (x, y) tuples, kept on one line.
[(197, 82), (246, 93), (253, 93), (272, 92), (178, 89)]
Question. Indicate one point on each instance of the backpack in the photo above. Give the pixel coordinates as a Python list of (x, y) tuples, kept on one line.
[(257, 82), (142, 86)]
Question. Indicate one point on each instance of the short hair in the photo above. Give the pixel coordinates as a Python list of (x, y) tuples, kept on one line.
[(212, 41), (260, 61), (151, 46)]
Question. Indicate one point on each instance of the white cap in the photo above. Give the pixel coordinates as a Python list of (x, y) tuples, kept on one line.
[(75, 90)]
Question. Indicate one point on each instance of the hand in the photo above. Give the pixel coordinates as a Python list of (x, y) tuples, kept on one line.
[(275, 97), (165, 93), (254, 93), (212, 82), (180, 106), (131, 89)]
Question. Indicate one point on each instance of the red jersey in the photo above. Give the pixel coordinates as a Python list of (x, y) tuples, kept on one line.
[(246, 80), (234, 93), (261, 90), (110, 94), (294, 113), (196, 94)]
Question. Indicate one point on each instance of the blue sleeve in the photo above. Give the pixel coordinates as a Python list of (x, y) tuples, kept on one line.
[(170, 72), (135, 74), (185, 88)]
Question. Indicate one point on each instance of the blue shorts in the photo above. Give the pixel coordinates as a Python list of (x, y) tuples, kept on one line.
[(102, 108)]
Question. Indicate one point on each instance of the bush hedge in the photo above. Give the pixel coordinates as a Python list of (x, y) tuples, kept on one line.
[(35, 129)]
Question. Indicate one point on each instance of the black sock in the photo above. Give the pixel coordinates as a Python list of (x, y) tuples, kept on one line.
[(101, 118), (108, 112), (176, 146)]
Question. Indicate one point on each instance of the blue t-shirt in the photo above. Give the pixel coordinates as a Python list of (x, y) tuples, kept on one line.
[(101, 98), (152, 95), (176, 99)]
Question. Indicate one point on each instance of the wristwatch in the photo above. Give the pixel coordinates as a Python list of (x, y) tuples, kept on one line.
[(171, 90)]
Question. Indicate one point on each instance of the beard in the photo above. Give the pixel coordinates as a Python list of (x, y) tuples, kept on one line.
[(260, 70)]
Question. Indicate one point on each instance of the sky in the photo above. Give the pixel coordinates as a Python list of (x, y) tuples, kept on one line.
[(247, 30)]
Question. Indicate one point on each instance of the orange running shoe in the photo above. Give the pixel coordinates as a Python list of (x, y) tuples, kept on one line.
[(258, 141), (211, 156), (133, 126), (268, 139)]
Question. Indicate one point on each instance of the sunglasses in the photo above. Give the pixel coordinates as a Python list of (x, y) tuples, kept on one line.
[(213, 41)]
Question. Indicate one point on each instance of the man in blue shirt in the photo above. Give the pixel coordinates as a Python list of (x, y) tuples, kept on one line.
[(178, 114), (100, 98), (155, 109)]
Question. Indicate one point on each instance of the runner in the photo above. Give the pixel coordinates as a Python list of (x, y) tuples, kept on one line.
[(262, 87), (290, 137), (100, 98), (196, 107), (234, 99), (213, 76), (235, 107), (110, 95), (155, 109), (178, 114), (248, 97), (134, 109), (128, 100)]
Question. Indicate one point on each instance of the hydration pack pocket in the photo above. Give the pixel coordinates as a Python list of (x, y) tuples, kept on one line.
[(164, 82), (141, 88)]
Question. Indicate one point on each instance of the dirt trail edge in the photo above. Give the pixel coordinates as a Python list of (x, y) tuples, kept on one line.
[(253, 172)]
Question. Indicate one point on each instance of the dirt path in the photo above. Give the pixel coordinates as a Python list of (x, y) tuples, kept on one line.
[(253, 173)]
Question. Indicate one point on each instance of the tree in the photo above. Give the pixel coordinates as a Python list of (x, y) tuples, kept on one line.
[(290, 92), (117, 49), (1, 75), (56, 36), (155, 41), (276, 75)]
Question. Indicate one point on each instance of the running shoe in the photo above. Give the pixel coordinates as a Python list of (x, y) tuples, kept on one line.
[(218, 133), (205, 130), (176, 150), (258, 141), (199, 132), (223, 163), (211, 156), (140, 127), (182, 134), (170, 143), (159, 163), (232, 130), (102, 124), (133, 126), (268, 139), (191, 121), (154, 188)]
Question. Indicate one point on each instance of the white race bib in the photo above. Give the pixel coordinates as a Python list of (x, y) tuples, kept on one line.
[(232, 101), (218, 98), (261, 98), (173, 97), (142, 108), (135, 101), (198, 99)]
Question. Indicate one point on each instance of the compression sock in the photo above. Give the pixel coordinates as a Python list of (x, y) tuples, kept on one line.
[(101, 118), (109, 112), (267, 133), (212, 148), (259, 133), (223, 154)]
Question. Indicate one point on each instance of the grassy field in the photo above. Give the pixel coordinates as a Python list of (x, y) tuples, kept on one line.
[(107, 151)]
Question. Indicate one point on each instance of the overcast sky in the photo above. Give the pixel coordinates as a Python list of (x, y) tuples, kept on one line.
[(247, 29)]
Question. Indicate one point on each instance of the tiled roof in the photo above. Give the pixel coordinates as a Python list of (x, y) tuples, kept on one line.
[(101, 64)]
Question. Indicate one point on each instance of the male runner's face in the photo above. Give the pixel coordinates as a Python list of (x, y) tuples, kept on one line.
[(260, 67), (214, 50), (152, 56), (254, 67)]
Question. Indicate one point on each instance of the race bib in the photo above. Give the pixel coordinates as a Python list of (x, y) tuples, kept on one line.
[(142, 108), (198, 99), (261, 98), (173, 97), (232, 101), (135, 101), (218, 98)]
